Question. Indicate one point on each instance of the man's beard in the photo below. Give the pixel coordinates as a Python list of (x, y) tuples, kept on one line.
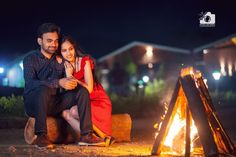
[(49, 50)]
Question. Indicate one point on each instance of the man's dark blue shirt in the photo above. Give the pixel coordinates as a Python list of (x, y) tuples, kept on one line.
[(39, 70)]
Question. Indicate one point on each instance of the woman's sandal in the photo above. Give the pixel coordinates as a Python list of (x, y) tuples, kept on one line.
[(109, 140)]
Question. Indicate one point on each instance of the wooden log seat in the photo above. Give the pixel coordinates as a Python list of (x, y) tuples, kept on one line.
[(60, 132)]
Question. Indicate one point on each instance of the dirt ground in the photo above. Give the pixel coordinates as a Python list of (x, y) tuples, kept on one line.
[(142, 137), (12, 142)]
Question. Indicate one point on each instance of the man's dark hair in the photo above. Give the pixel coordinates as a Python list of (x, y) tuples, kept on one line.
[(47, 28)]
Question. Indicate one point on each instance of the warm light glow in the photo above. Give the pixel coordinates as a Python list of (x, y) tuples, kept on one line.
[(176, 126), (150, 65), (191, 72), (175, 138), (235, 66), (205, 51), (230, 69), (162, 118), (187, 71), (222, 67), (149, 51), (234, 40)]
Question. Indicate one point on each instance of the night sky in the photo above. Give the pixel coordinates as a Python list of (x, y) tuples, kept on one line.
[(103, 26)]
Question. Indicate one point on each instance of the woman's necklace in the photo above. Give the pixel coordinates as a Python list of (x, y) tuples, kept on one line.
[(77, 64)]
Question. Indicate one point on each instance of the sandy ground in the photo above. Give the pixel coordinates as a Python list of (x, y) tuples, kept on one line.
[(13, 144)]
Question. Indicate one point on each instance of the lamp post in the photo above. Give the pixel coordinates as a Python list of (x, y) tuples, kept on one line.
[(216, 75)]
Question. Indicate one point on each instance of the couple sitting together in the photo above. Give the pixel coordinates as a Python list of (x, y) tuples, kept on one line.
[(60, 81)]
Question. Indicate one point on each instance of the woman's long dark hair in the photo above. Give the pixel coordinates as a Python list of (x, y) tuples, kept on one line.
[(79, 53)]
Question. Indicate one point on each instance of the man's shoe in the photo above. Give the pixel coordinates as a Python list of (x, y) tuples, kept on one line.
[(42, 142), (91, 140)]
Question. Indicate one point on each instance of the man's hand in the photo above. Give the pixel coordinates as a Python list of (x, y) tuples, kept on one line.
[(68, 83)]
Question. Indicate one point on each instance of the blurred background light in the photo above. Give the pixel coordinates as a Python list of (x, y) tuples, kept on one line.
[(216, 75), (145, 78), (1, 70)]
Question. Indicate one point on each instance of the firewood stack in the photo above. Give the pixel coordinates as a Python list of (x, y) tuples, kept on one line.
[(192, 95)]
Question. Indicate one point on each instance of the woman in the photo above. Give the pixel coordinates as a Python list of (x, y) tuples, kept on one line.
[(82, 68)]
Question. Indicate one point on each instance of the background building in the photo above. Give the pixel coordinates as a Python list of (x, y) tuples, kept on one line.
[(218, 62), (138, 62)]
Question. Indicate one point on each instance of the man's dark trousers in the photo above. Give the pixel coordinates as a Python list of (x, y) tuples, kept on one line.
[(44, 101)]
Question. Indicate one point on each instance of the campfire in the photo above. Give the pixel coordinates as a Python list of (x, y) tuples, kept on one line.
[(190, 126)]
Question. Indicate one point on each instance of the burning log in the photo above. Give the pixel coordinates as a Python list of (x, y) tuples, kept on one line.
[(199, 115), (191, 104), (188, 129), (162, 133), (228, 145)]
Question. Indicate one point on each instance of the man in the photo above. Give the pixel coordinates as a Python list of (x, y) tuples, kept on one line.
[(43, 77)]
